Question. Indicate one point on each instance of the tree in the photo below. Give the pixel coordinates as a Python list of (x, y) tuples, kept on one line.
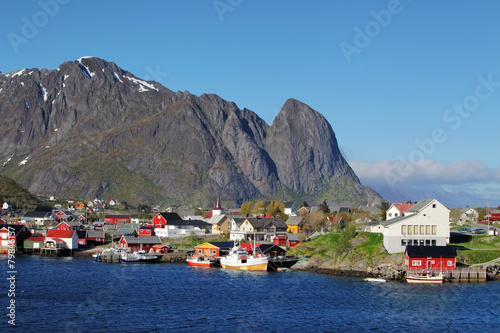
[(275, 208), (383, 207), (316, 220), (259, 208), (246, 208), (324, 207)]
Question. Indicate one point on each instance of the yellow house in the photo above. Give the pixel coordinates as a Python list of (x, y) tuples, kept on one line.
[(296, 224), (220, 224)]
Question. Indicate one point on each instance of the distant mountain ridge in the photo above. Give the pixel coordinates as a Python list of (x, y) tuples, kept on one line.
[(449, 199), (90, 129)]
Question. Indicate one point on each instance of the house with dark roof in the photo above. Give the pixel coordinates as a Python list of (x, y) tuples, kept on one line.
[(96, 236), (432, 258), (136, 243), (162, 219), (117, 219), (13, 236), (258, 229), (214, 249), (428, 225), (39, 217)]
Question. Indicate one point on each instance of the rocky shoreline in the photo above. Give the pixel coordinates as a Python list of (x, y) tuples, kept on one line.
[(391, 268)]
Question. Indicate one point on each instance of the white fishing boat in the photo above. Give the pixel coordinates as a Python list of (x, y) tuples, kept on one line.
[(139, 256), (424, 277), (239, 258)]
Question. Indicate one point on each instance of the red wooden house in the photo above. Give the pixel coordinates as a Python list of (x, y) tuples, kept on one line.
[(161, 248), (117, 219), (433, 258), (162, 219), (136, 243), (292, 240), (72, 225), (96, 236), (280, 240), (146, 231), (493, 215)]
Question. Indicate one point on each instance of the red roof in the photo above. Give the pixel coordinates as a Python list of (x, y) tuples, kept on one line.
[(335, 219), (60, 233), (403, 207)]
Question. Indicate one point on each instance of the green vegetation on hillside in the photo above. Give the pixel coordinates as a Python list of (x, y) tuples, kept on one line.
[(347, 242), (16, 196)]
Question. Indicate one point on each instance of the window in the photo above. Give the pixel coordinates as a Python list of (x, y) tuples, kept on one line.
[(403, 242), (449, 263), (409, 242), (415, 229), (410, 229), (434, 229), (434, 205), (390, 214), (415, 242), (427, 229), (403, 230), (422, 242), (427, 242), (433, 242), (395, 214), (214, 251), (422, 229), (416, 262)]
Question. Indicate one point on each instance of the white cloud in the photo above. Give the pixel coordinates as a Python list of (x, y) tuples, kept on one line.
[(424, 171)]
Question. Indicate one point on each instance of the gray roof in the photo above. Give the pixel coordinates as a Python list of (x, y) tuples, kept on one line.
[(130, 239), (396, 220), (288, 204), (295, 220), (196, 223), (37, 214), (293, 237), (419, 205), (95, 234)]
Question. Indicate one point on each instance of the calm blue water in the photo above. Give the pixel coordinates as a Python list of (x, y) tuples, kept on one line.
[(79, 295)]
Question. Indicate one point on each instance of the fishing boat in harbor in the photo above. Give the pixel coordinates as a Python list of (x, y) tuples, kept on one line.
[(201, 261), (375, 279), (139, 256), (239, 258), (425, 277)]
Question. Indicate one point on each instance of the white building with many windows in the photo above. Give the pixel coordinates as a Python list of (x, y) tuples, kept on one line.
[(429, 225)]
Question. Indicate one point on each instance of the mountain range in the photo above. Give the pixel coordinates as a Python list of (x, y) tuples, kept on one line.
[(92, 129)]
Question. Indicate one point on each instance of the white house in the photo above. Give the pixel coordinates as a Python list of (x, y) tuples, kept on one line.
[(67, 239), (398, 210), (183, 228), (427, 225), (469, 215), (290, 208)]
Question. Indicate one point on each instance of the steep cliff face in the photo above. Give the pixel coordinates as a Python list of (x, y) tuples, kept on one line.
[(90, 128)]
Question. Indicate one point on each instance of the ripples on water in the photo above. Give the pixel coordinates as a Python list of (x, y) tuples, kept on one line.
[(79, 295)]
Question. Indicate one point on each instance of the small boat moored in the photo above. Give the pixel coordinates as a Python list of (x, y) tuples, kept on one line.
[(375, 279), (239, 258), (424, 277), (201, 261)]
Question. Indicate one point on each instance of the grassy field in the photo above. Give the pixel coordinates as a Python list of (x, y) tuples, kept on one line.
[(333, 244)]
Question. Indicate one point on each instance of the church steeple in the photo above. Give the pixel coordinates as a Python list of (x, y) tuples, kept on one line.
[(218, 209)]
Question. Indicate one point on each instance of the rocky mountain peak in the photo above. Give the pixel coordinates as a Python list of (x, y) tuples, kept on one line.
[(91, 128)]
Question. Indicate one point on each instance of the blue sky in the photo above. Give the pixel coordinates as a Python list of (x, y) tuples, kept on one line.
[(411, 88)]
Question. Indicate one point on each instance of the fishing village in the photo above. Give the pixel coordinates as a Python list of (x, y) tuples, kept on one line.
[(414, 243)]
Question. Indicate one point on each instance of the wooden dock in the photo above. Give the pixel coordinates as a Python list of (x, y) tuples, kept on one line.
[(471, 274)]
